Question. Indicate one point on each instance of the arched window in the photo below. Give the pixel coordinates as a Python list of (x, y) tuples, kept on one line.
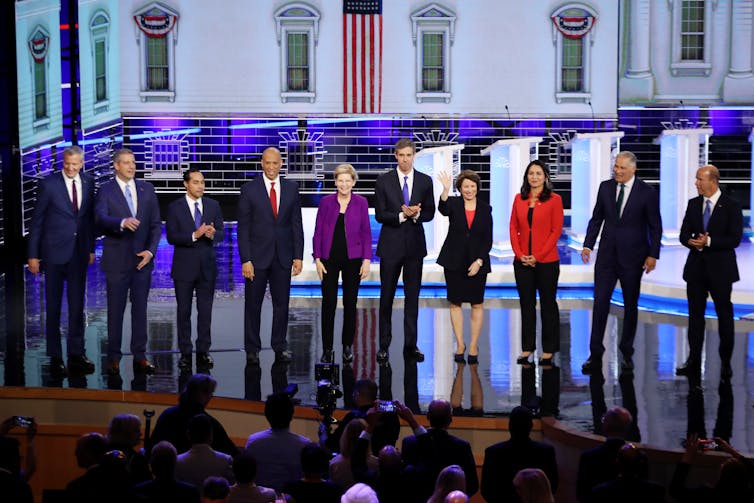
[(297, 29), (100, 29), (433, 32), (39, 43), (157, 38), (572, 35)]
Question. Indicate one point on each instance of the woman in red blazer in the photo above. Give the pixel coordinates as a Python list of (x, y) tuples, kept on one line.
[(342, 243), (536, 226)]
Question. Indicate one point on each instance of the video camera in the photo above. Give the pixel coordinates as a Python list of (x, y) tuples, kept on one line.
[(327, 376)]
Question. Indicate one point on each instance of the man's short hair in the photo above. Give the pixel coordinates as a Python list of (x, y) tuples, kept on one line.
[(439, 414), (187, 173), (314, 459), (90, 447), (520, 422), (403, 143), (162, 460), (616, 422), (245, 468), (198, 386), (199, 429), (73, 150), (215, 488), (124, 430), (365, 389), (712, 172), (278, 409), (628, 155), (121, 152)]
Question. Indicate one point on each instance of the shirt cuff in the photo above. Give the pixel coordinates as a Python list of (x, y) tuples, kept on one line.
[(709, 241), (401, 217)]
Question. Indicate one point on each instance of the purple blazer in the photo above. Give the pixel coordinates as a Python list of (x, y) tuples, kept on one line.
[(358, 231)]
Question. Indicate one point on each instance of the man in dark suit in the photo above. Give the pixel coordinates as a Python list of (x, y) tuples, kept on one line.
[(426, 454), (502, 461), (128, 215), (193, 225), (403, 202), (628, 211), (271, 246), (712, 229), (61, 238)]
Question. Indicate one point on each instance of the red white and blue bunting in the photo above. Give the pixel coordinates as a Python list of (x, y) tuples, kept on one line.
[(38, 46), (155, 23), (574, 27)]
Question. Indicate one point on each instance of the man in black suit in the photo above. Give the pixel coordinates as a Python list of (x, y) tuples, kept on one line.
[(127, 213), (426, 454), (502, 461), (61, 237), (271, 246), (628, 212), (712, 229), (403, 202), (193, 225)]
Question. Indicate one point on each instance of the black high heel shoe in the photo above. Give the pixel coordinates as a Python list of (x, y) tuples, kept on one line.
[(458, 358), (474, 359), (328, 356), (347, 354)]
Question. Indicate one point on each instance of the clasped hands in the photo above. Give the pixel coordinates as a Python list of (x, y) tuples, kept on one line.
[(205, 230), (528, 260), (411, 211), (700, 241)]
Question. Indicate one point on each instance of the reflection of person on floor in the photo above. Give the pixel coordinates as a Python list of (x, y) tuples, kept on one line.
[(535, 227), (403, 202), (712, 229), (628, 212), (342, 243), (456, 393), (465, 256)]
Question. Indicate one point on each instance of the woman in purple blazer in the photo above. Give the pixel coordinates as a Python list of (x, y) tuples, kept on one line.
[(342, 243)]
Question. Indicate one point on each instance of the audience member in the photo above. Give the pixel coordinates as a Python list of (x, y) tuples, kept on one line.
[(30, 459), (165, 487), (631, 484), (90, 449), (532, 486), (734, 484), (12, 485), (340, 466), (599, 465), (504, 460), (215, 490), (201, 461), (245, 489), (451, 478), (277, 450), (361, 493), (364, 395), (106, 481), (313, 488), (456, 497), (124, 434), (172, 423), (425, 455)]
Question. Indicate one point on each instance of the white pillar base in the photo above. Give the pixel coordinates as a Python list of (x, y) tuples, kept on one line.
[(738, 89)]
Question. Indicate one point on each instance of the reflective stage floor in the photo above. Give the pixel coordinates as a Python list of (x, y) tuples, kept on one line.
[(665, 406)]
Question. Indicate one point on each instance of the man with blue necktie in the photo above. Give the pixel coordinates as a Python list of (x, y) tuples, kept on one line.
[(712, 229), (127, 213), (61, 242), (194, 224)]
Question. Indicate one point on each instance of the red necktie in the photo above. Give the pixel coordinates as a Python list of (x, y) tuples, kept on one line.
[(274, 200), (75, 199)]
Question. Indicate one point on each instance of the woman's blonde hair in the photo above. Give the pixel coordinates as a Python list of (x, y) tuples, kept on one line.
[(342, 169)]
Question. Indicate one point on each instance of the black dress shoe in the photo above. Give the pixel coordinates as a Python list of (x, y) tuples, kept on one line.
[(252, 357), (413, 354), (726, 371), (283, 356), (144, 367), (113, 369), (524, 360), (57, 367), (459, 358), (591, 366), (328, 356), (347, 354), (626, 364), (80, 365), (204, 361), (383, 357), (546, 362), (473, 359), (688, 368), (185, 363)]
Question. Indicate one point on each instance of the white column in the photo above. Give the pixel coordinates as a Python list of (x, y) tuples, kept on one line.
[(738, 86), (637, 84)]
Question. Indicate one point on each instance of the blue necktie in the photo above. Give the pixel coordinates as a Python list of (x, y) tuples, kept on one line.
[(406, 197), (130, 200), (197, 215), (707, 213)]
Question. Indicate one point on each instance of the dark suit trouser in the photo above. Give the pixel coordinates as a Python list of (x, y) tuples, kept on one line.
[(351, 281), (184, 293), (390, 270), (529, 280), (697, 291), (279, 279), (73, 274), (121, 286), (605, 277)]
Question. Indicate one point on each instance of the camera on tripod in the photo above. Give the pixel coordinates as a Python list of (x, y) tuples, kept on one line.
[(327, 376)]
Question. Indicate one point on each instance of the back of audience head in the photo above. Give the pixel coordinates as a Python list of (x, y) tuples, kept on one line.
[(359, 493), (439, 414), (162, 460), (520, 422), (215, 489), (616, 422), (199, 390), (245, 468), (315, 461), (364, 392), (389, 460), (278, 409), (734, 478), (90, 447), (114, 470), (632, 462), (451, 478), (456, 497), (350, 434), (386, 431), (199, 429), (124, 431), (533, 486)]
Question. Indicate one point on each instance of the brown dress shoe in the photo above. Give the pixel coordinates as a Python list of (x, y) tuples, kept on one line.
[(144, 367)]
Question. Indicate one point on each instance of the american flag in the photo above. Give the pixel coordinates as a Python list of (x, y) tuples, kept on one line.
[(365, 343), (362, 56)]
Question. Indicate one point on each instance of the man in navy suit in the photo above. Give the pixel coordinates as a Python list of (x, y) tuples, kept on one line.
[(271, 246), (128, 215), (61, 237), (712, 229), (628, 211), (403, 202), (193, 225)]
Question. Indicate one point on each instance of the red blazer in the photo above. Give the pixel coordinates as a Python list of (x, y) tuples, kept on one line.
[(546, 228)]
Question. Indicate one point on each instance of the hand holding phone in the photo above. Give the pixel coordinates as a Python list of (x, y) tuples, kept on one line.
[(386, 406)]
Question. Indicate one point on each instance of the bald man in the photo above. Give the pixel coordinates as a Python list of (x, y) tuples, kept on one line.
[(712, 229), (271, 246)]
